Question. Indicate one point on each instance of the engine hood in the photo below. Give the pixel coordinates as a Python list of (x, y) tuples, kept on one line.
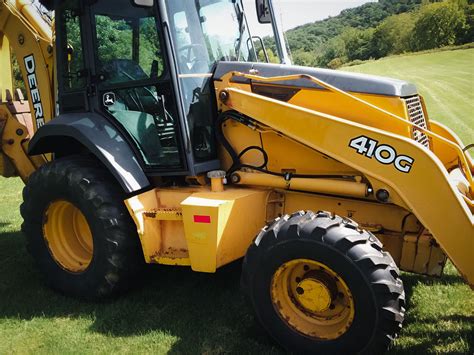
[(352, 82)]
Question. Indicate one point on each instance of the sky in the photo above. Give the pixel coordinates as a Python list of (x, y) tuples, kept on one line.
[(298, 12), (294, 13)]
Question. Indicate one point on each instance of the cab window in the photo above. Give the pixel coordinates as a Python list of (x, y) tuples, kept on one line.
[(128, 48), (133, 84), (74, 76)]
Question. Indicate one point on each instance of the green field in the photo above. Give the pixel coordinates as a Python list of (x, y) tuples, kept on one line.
[(178, 311)]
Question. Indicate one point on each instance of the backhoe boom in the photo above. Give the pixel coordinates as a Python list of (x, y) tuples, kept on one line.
[(31, 39)]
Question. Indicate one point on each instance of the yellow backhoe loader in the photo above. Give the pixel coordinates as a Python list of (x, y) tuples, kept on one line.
[(154, 133)]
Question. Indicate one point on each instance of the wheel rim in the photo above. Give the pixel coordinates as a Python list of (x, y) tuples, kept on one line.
[(68, 236), (312, 299)]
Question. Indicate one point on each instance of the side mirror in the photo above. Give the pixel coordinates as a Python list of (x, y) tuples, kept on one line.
[(263, 11), (144, 3)]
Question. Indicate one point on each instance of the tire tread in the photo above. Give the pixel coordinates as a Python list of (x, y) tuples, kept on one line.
[(349, 239), (88, 178)]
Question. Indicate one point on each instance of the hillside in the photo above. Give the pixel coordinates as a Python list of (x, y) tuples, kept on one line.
[(384, 28), (308, 37)]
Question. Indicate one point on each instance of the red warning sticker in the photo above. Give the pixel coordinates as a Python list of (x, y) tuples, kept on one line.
[(202, 219)]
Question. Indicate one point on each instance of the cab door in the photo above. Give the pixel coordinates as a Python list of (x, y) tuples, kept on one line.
[(132, 82)]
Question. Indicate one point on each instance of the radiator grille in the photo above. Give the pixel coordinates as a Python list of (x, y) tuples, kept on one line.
[(417, 116)]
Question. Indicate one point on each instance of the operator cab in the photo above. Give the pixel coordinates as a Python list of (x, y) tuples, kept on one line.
[(147, 66)]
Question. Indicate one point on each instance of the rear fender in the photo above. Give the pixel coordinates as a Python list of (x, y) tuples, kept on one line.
[(97, 136)]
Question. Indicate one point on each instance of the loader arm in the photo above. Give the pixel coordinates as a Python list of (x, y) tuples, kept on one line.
[(426, 184), (31, 39)]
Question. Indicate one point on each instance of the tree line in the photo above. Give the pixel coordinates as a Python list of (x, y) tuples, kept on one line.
[(376, 30)]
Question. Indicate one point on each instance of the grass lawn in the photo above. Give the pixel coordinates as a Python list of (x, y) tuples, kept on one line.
[(178, 311)]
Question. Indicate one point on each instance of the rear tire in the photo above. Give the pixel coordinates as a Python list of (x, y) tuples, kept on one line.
[(319, 284), (102, 255)]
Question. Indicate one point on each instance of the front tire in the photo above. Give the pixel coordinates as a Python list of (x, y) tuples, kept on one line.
[(78, 229), (318, 284)]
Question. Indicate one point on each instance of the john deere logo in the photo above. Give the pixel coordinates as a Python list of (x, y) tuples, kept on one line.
[(30, 66), (109, 99)]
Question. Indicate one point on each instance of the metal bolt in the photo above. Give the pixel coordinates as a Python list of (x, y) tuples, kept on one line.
[(21, 39), (235, 178), (306, 268), (299, 291), (19, 132), (382, 195), (224, 96), (298, 279)]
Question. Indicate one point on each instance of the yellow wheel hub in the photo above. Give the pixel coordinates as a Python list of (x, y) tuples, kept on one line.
[(312, 299), (313, 295), (68, 236)]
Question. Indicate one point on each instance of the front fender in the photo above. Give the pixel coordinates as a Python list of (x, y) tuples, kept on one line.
[(100, 138)]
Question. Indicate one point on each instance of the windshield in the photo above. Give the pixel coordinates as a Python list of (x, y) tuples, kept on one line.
[(203, 33), (207, 31)]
